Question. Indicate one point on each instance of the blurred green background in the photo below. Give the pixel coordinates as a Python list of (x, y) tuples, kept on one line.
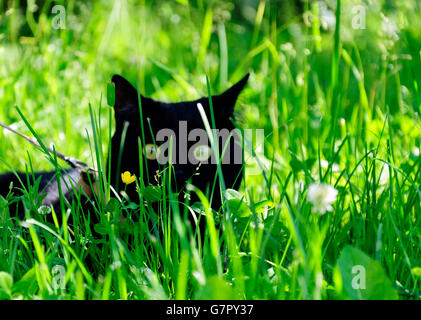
[(338, 98), (169, 46)]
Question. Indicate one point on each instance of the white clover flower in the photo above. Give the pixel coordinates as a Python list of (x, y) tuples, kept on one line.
[(327, 17), (44, 210), (390, 28), (321, 196), (325, 164)]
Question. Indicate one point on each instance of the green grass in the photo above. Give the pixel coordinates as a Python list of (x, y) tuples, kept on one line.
[(338, 106)]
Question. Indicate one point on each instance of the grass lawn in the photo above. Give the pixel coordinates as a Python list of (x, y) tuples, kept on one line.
[(330, 205)]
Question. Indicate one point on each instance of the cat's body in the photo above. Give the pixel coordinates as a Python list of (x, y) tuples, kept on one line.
[(156, 116), (73, 181)]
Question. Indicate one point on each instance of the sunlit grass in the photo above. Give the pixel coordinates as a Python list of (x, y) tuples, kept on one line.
[(339, 106)]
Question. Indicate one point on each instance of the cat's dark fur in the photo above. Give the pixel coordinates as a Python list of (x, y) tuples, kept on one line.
[(159, 115), (156, 115), (47, 187)]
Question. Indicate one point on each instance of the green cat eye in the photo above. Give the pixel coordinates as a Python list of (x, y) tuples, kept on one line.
[(151, 151), (202, 153)]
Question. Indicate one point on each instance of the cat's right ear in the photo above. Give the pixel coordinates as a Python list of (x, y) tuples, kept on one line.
[(126, 96)]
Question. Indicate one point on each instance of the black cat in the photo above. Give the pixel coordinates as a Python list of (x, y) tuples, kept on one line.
[(192, 161), (175, 117)]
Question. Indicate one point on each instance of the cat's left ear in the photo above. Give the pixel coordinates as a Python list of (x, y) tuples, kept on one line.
[(225, 102)]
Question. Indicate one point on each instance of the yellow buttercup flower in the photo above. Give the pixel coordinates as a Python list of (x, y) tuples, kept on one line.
[(127, 177)]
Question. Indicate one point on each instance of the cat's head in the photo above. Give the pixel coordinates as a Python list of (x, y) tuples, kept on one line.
[(160, 127)]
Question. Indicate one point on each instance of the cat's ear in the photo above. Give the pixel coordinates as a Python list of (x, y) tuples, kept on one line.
[(225, 102), (126, 95)]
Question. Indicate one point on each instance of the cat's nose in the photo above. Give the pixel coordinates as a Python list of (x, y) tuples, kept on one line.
[(180, 173), (180, 178)]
